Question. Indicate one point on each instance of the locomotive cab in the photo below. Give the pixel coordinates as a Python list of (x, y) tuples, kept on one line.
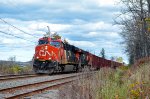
[(55, 44)]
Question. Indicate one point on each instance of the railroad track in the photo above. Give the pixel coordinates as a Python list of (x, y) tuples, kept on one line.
[(15, 77), (22, 76), (34, 88)]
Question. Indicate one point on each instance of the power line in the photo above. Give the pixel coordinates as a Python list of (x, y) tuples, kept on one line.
[(17, 28), (5, 45), (15, 36)]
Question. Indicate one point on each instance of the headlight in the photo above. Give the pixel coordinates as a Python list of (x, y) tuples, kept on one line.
[(37, 57), (46, 47)]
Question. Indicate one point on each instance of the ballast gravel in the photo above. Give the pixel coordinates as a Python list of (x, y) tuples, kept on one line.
[(31, 89), (51, 94), (19, 82)]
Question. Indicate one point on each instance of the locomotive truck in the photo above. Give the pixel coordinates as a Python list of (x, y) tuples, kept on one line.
[(54, 55)]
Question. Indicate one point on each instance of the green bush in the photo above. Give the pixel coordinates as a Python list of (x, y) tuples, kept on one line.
[(16, 69)]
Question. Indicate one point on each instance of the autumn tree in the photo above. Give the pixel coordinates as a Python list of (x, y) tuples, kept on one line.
[(135, 28), (119, 59)]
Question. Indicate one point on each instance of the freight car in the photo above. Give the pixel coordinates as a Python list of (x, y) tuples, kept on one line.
[(54, 55)]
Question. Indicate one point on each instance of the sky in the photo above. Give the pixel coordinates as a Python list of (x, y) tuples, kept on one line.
[(87, 24)]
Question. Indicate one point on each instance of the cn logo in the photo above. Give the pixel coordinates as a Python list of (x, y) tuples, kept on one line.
[(44, 53)]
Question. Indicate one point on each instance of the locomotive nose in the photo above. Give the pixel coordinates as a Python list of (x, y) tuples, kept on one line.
[(43, 53)]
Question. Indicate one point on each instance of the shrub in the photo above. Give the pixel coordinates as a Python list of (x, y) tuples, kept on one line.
[(14, 69), (122, 83)]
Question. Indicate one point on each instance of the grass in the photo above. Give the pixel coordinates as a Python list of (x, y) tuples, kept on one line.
[(14, 69), (122, 83)]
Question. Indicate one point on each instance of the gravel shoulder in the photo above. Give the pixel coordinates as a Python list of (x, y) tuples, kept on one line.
[(52, 94)]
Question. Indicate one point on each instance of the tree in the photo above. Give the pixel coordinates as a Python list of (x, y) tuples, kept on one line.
[(102, 53), (119, 59), (12, 58), (112, 58), (135, 28), (12, 61), (148, 1)]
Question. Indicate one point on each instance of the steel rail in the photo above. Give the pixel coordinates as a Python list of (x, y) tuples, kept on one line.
[(12, 75), (20, 96), (17, 77), (54, 83)]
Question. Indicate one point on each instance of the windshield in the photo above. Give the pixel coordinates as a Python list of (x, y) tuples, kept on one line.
[(55, 43), (43, 42)]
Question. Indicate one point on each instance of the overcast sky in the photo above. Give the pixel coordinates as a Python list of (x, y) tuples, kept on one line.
[(88, 24)]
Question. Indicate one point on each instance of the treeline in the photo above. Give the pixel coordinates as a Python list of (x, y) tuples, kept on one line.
[(135, 19), (12, 67)]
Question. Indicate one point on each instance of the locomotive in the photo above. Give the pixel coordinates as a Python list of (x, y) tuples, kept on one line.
[(53, 55)]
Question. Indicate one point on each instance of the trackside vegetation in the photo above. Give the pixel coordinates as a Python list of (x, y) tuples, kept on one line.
[(13, 68), (123, 83)]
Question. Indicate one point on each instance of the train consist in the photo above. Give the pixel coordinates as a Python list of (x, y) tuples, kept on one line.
[(54, 55)]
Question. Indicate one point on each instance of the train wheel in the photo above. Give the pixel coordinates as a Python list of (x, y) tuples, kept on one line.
[(51, 71), (79, 69), (76, 68)]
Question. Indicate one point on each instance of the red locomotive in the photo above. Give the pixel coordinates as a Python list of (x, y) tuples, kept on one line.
[(53, 55)]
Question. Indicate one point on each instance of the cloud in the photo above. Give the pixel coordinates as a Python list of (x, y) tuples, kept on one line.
[(82, 44), (56, 11), (43, 26), (87, 24), (90, 41), (102, 34), (106, 2)]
